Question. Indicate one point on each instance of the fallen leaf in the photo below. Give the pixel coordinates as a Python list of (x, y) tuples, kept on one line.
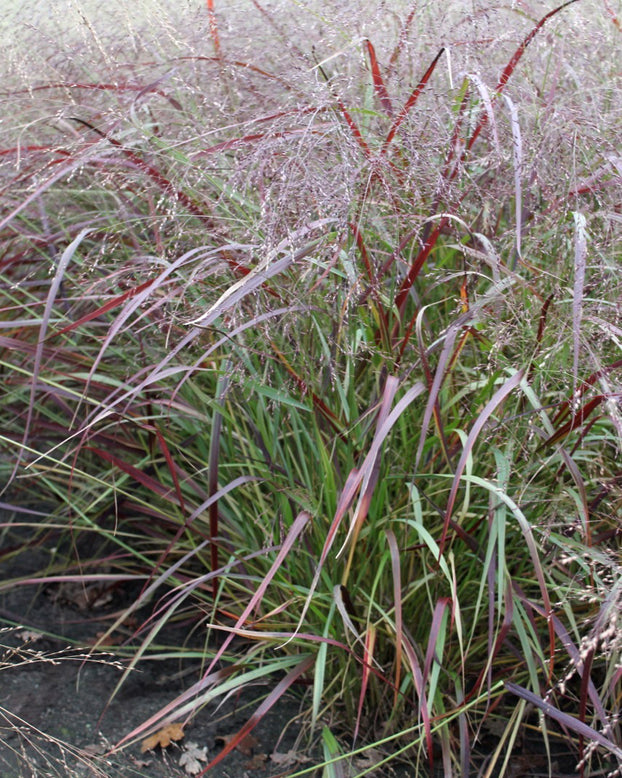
[(192, 757), (100, 639), (140, 763), (245, 746), (94, 749), (29, 635), (290, 758), (368, 758), (163, 737), (256, 763), (365, 762)]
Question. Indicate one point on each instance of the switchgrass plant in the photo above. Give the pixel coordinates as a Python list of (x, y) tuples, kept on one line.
[(312, 314)]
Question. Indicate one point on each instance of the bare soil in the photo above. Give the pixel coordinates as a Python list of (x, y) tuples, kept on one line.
[(57, 717)]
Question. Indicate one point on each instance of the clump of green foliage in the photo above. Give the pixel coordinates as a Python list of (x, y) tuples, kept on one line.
[(318, 327)]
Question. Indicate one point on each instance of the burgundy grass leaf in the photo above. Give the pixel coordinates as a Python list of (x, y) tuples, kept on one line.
[(580, 254), (109, 306), (356, 133), (318, 129), (136, 473), (403, 35), (161, 181), (213, 28), (413, 271), (410, 103), (379, 84), (578, 420), (570, 404), (104, 87)]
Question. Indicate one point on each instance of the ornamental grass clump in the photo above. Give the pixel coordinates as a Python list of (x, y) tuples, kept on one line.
[(313, 316)]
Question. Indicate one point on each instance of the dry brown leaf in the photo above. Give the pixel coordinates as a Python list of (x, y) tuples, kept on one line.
[(192, 757), (101, 639), (94, 749), (257, 762), (246, 746), (163, 737), (290, 758), (29, 635), (368, 758), (139, 763)]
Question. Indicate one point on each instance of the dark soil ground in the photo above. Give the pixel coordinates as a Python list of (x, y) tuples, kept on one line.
[(51, 725), (56, 717)]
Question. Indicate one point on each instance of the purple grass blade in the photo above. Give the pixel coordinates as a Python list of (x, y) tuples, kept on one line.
[(55, 285), (435, 627), (170, 710), (371, 471), (575, 655), (266, 269), (580, 253), (353, 483), (110, 305), (511, 66), (565, 720)]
